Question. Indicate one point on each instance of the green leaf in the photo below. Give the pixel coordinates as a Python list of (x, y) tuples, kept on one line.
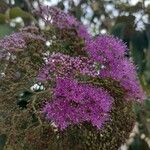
[(19, 2), (126, 23), (148, 34), (126, 19), (138, 43), (18, 12), (2, 18), (147, 104), (118, 30), (147, 54), (5, 29), (138, 144)]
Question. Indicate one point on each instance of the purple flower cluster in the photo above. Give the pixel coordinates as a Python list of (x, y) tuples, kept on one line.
[(55, 16), (75, 103), (61, 20), (105, 49), (60, 65), (31, 36), (17, 41), (13, 42), (110, 52)]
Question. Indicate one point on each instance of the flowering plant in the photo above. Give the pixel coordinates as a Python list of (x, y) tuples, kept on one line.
[(64, 89)]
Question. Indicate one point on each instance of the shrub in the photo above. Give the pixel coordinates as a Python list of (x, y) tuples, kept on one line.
[(61, 88)]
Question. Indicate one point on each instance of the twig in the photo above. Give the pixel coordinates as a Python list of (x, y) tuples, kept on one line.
[(28, 5), (10, 5), (34, 109)]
